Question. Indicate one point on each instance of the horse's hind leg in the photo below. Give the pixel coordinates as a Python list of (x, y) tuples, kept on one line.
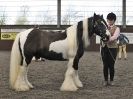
[(69, 84), (29, 84), (22, 83)]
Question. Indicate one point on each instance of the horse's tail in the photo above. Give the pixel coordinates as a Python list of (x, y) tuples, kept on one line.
[(15, 60)]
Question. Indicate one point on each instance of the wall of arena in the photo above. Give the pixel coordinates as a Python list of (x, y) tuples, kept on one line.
[(8, 33)]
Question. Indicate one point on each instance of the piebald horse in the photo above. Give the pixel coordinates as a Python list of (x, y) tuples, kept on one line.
[(67, 45)]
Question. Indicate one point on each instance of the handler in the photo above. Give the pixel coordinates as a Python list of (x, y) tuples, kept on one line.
[(109, 50)]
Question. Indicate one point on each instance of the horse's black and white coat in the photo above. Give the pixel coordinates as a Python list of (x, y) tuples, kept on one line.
[(60, 45)]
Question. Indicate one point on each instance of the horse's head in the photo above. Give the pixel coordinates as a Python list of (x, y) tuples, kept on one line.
[(100, 27)]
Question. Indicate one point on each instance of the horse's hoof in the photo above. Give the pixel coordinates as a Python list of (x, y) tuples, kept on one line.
[(68, 89), (61, 89), (80, 85), (22, 88), (31, 86)]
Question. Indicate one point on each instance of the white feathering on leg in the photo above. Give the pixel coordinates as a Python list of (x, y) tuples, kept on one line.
[(68, 84), (26, 78), (20, 84), (77, 80)]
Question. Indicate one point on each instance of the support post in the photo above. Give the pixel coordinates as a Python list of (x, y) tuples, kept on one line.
[(58, 13), (124, 13)]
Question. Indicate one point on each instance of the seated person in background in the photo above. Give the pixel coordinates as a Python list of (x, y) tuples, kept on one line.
[(123, 41)]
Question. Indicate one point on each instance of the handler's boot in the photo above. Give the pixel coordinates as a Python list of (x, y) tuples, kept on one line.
[(111, 83), (105, 83)]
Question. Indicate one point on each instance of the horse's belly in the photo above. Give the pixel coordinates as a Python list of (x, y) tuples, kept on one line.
[(51, 55), (60, 47)]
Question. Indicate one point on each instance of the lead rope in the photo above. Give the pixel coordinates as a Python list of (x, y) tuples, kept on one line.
[(111, 54), (108, 50)]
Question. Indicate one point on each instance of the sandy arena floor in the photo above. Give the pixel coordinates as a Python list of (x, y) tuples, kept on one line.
[(48, 76)]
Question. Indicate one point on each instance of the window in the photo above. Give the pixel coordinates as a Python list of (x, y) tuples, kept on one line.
[(28, 12), (129, 13), (75, 10), (44, 12)]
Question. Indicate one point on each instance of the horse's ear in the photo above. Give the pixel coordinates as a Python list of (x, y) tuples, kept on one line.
[(94, 14), (102, 16)]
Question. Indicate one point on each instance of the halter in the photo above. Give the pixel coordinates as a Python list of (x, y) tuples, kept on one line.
[(92, 25), (103, 35)]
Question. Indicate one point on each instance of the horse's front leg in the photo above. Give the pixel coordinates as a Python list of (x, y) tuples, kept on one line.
[(69, 81), (77, 81)]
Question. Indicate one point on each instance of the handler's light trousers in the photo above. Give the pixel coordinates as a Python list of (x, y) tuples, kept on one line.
[(122, 48)]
